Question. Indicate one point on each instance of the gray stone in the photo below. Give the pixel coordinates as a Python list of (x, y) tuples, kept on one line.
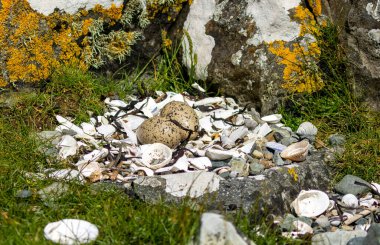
[(277, 159), (323, 221), (239, 166), (215, 230), (24, 194), (339, 237), (218, 164), (53, 191), (337, 140), (175, 187), (287, 223), (356, 241), (348, 185), (373, 236), (255, 168)]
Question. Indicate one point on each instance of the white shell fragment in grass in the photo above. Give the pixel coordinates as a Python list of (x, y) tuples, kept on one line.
[(296, 152), (311, 203), (67, 146), (274, 118), (71, 231), (307, 128), (155, 156), (106, 130), (69, 125)]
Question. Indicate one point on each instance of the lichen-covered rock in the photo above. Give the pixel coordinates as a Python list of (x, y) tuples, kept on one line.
[(253, 49), (359, 22), (36, 36)]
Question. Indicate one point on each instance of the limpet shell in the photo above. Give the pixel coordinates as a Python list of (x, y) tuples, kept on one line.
[(155, 156), (350, 201), (160, 130), (184, 115), (311, 203), (296, 152), (307, 128)]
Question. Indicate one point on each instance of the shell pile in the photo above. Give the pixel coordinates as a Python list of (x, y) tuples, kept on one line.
[(175, 133), (320, 212)]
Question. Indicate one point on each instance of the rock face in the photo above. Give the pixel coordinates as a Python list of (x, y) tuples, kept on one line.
[(273, 190), (359, 22), (241, 45)]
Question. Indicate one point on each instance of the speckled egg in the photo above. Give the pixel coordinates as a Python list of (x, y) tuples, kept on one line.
[(184, 115), (159, 130)]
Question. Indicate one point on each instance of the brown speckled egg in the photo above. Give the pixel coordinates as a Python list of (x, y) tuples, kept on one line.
[(184, 115), (159, 130)]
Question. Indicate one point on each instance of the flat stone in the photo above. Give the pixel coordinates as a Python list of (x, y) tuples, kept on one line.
[(356, 241), (255, 168), (348, 186), (337, 140), (336, 238), (277, 159), (174, 187), (215, 230), (24, 194), (53, 191)]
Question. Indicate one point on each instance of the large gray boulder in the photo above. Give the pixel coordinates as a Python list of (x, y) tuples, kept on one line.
[(227, 45), (272, 191), (359, 23)]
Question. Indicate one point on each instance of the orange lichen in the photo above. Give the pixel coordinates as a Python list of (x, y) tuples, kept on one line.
[(301, 73), (33, 45)]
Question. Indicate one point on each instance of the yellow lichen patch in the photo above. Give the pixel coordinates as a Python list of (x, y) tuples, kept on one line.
[(301, 73), (293, 173), (113, 13)]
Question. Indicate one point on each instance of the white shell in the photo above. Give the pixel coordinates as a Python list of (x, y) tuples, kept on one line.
[(375, 186), (350, 201), (197, 87), (115, 103), (86, 169), (132, 122), (302, 227), (93, 156), (88, 128), (155, 156), (182, 164), (311, 203), (215, 154), (296, 152), (209, 101), (206, 124), (147, 171), (262, 130), (274, 118), (67, 146), (106, 130), (148, 106), (71, 231), (200, 162), (307, 128), (69, 125)]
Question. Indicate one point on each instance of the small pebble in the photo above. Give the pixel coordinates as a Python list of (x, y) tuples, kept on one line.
[(24, 194), (257, 154)]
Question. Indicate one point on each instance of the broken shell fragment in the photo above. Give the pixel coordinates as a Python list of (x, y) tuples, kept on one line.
[(67, 146), (307, 128), (200, 162), (147, 171), (311, 203), (302, 227), (68, 125), (155, 156), (296, 152), (71, 231), (274, 118)]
